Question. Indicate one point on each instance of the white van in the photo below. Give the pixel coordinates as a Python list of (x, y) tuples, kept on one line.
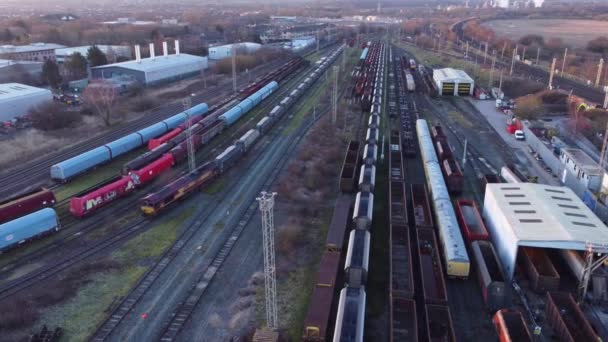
[(519, 135)]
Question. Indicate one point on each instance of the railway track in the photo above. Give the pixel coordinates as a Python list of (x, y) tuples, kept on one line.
[(14, 181), (131, 299)]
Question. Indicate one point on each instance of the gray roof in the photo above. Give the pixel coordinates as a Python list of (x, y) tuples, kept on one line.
[(157, 63), (10, 91), (582, 160), (451, 75), (5, 49)]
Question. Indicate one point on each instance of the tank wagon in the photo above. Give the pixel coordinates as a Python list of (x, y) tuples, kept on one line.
[(456, 258), (28, 227), (23, 204)]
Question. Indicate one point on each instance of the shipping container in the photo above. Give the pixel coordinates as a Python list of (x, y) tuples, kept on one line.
[(433, 284), (363, 212), (20, 230), (543, 275), (439, 327), (470, 220), (567, 318), (74, 166), (511, 326), (339, 220), (490, 274), (356, 265), (152, 170), (453, 176), (26, 203), (422, 208), (404, 322), (319, 309)]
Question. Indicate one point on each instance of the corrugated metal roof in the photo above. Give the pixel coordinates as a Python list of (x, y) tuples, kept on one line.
[(14, 90), (159, 63), (4, 49), (84, 50), (582, 160), (451, 75), (539, 215)]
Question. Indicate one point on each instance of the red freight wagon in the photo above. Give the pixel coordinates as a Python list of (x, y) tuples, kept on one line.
[(317, 317), (404, 323), (470, 221), (152, 170), (180, 152), (154, 143), (438, 134), (443, 150), (433, 284), (543, 275), (567, 319), (453, 176), (511, 327), (85, 203), (422, 207), (24, 204), (439, 327)]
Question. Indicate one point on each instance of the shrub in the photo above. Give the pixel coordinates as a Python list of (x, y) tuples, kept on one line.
[(143, 103), (51, 116)]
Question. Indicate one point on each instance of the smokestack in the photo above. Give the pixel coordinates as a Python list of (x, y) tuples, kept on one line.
[(165, 50), (152, 52), (137, 54), (177, 47)]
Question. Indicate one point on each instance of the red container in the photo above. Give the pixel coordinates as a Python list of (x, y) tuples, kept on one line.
[(453, 176), (27, 203), (152, 170), (470, 220), (439, 327), (86, 203), (511, 326), (543, 275), (422, 207), (404, 322), (154, 143), (567, 319), (433, 284), (317, 317)]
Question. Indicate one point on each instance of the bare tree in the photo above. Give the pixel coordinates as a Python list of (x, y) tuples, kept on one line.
[(102, 96)]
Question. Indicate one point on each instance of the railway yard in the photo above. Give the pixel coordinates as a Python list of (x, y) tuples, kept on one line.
[(152, 231)]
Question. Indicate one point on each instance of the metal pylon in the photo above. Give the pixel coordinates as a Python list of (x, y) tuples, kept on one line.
[(187, 103), (266, 201)]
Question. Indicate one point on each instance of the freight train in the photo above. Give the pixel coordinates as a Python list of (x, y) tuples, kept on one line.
[(28, 227), (26, 203), (366, 77), (455, 255), (157, 202), (350, 317)]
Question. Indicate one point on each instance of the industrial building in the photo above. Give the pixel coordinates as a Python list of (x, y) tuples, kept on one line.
[(17, 99), (112, 52), (538, 215), (225, 51), (37, 52), (586, 170), (453, 82), (154, 70), (19, 71)]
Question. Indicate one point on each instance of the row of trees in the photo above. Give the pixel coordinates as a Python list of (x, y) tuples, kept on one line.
[(75, 66)]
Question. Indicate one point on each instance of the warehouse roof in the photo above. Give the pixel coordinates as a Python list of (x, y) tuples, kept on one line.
[(538, 215), (583, 161), (451, 75), (157, 63), (9, 91), (84, 50), (4, 49)]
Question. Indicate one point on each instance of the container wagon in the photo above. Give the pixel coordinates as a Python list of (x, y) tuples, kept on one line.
[(349, 167), (567, 319), (404, 323), (433, 284), (439, 327), (337, 227), (422, 209), (470, 221), (28, 227), (453, 175), (317, 317), (511, 326), (543, 275), (26, 203), (490, 274)]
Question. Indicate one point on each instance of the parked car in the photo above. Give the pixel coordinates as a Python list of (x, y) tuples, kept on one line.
[(519, 135)]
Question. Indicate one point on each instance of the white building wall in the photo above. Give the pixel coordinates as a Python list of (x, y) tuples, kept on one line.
[(19, 106), (591, 182), (176, 71)]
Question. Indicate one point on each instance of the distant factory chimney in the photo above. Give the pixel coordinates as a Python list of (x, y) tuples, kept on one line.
[(177, 47), (165, 50), (152, 52), (137, 54)]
